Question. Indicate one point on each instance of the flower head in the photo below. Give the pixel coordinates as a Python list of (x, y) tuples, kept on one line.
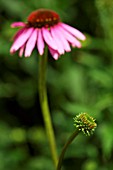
[(44, 27), (85, 123)]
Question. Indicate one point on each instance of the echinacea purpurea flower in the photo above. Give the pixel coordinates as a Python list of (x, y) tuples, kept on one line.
[(44, 27)]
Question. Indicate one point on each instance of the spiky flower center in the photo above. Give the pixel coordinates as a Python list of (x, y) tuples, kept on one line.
[(43, 18)]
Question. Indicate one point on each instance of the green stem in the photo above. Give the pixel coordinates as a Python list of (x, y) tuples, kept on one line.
[(44, 105), (65, 148)]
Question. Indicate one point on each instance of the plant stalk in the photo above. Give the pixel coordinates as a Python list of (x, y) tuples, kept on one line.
[(45, 107), (72, 137)]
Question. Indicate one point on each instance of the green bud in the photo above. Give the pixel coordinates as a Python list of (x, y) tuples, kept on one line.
[(85, 123)]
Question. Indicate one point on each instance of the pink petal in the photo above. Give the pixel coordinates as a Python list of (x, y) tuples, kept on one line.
[(54, 53), (22, 50), (73, 31), (70, 37), (57, 40), (62, 39), (18, 33), (18, 24), (48, 38), (31, 43), (21, 39), (40, 42)]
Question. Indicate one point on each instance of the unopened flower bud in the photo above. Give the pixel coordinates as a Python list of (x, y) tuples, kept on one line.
[(85, 123)]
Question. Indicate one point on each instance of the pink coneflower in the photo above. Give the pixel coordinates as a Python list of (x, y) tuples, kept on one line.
[(44, 27)]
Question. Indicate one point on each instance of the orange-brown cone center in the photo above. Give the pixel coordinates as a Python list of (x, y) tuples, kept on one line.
[(43, 18)]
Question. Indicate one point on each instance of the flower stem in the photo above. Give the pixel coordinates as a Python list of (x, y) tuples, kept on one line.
[(44, 105), (75, 133)]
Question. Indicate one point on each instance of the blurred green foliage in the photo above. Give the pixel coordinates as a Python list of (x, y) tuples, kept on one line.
[(80, 81)]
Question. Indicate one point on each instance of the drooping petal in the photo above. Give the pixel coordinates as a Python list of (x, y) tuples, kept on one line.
[(40, 42), (21, 51), (18, 24), (31, 43), (54, 53), (57, 40), (18, 33), (21, 39), (62, 39), (70, 37), (73, 31), (48, 38)]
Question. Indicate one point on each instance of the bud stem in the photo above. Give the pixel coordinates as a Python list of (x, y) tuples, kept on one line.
[(72, 137), (44, 105)]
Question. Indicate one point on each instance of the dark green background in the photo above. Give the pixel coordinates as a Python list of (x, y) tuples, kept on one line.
[(80, 81)]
